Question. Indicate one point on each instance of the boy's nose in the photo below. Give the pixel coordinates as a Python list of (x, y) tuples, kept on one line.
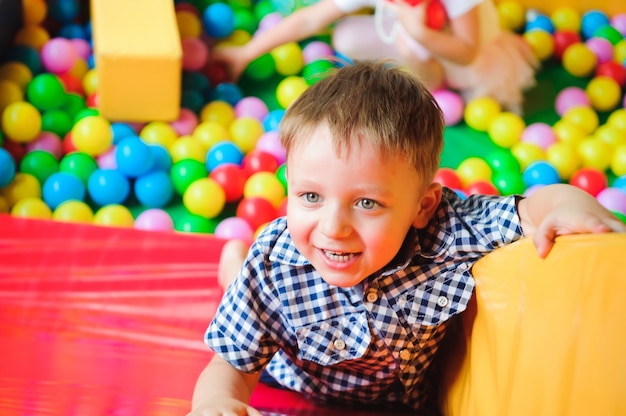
[(334, 223)]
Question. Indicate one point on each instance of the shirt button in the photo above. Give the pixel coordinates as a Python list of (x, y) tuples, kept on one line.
[(371, 296), (405, 354), (442, 301), (339, 344)]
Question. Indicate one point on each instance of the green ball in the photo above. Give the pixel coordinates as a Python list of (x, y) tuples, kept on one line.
[(609, 33), (56, 121), (317, 70), (509, 183), (281, 175), (78, 164), (184, 172), (192, 223), (73, 105), (261, 68), (245, 20), (40, 164), (263, 8), (502, 160), (85, 112), (45, 92), (621, 216)]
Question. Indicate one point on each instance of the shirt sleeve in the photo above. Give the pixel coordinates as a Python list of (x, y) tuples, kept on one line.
[(456, 8)]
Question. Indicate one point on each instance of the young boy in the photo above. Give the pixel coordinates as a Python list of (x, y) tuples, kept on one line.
[(348, 297)]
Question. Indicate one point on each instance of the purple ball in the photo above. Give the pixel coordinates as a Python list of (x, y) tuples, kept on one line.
[(613, 199), (451, 104), (316, 50), (570, 97), (154, 219), (540, 134)]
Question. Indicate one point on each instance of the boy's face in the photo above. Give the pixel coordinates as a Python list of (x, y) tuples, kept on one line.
[(349, 215)]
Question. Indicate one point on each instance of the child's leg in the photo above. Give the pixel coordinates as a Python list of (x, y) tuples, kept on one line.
[(231, 259)]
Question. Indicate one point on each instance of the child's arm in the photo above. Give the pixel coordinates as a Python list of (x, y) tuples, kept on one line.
[(563, 209), (221, 389), (297, 26)]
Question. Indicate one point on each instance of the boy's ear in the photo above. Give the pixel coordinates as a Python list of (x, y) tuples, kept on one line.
[(428, 205)]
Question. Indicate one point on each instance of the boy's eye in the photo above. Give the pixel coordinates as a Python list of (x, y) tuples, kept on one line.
[(311, 197), (367, 204)]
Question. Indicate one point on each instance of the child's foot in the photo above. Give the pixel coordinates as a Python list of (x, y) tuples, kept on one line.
[(231, 259)]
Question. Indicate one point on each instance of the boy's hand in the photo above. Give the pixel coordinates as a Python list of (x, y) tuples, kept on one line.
[(225, 407), (234, 57)]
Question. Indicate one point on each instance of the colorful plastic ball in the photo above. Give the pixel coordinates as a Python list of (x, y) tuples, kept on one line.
[(121, 131), (281, 175), (289, 89), (245, 21), (565, 158), (204, 197), (223, 152), (620, 182), (61, 187), (40, 164), (506, 129), (511, 14), (218, 111), (539, 22), (508, 182), (265, 185), (473, 169), (316, 50), (234, 227), (154, 189), (10, 93), (188, 147), (218, 20), (114, 215), (317, 70), (481, 187), (191, 223), (185, 172), (568, 131), (602, 48), (259, 161), (106, 187), (31, 207), (195, 53), (570, 97), (73, 211), (540, 134), (159, 132), (604, 93), (17, 72), (58, 122), (480, 112), (566, 18), (609, 33), (288, 59), (58, 55), (22, 186), (451, 105), (186, 123), (228, 92), (92, 135), (245, 133), (133, 157), (107, 160), (613, 199), (562, 40), (154, 219), (7, 168), (591, 21), (232, 178), (46, 92), (610, 135), (618, 21), (251, 107), (448, 177), (269, 142), (34, 11), (502, 160), (209, 133), (541, 42), (162, 158), (590, 180), (273, 119), (612, 70), (261, 68), (540, 173), (21, 122), (618, 160), (579, 60), (595, 153), (527, 153), (256, 211), (584, 117)]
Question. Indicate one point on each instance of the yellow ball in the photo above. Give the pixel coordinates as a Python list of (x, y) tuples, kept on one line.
[(16, 72), (619, 51), (264, 185), (541, 43), (21, 122), (506, 129), (209, 133), (92, 135), (604, 93), (512, 15), (617, 119), (189, 24), (4, 205), (188, 147), (566, 18), (245, 133), (618, 160), (90, 82), (114, 215), (473, 169), (204, 197), (480, 112), (159, 132), (218, 111), (567, 131), (31, 207), (610, 135), (579, 60), (73, 211), (34, 36), (584, 117), (595, 153), (288, 59), (565, 159), (10, 93), (289, 89), (35, 11), (23, 185), (237, 38), (527, 153)]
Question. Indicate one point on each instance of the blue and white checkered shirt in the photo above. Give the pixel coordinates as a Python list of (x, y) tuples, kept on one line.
[(370, 343)]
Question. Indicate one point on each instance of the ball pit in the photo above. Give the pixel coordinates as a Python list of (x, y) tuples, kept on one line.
[(219, 168)]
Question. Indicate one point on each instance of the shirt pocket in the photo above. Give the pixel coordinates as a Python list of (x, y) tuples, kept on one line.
[(334, 340)]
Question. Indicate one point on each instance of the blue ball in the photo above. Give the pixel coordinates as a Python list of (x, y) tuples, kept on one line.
[(63, 10), (592, 21), (133, 157), (61, 187), (227, 91), (162, 158), (541, 22), (121, 131), (7, 168), (273, 119), (154, 189), (540, 173), (218, 20), (108, 186), (223, 152), (619, 183)]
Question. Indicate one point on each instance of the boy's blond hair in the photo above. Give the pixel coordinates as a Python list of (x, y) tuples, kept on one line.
[(377, 101)]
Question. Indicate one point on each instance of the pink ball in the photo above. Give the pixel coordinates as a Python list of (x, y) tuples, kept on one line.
[(107, 159), (570, 97), (195, 53), (268, 21), (58, 55), (48, 141), (82, 47), (316, 50), (451, 104), (251, 107), (540, 134), (270, 143), (234, 227), (186, 123), (619, 22), (602, 48), (154, 219), (613, 199), (529, 191)]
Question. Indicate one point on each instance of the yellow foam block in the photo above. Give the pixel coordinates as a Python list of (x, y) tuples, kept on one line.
[(138, 59)]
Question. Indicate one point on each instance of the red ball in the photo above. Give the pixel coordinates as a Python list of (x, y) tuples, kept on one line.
[(15, 149), (590, 180), (259, 161), (483, 188), (72, 83), (256, 211), (216, 72), (436, 16), (92, 100), (232, 178), (613, 70), (448, 177), (563, 39), (282, 209), (68, 144)]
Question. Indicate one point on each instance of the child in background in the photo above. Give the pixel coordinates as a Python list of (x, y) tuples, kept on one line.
[(348, 297), (471, 53)]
